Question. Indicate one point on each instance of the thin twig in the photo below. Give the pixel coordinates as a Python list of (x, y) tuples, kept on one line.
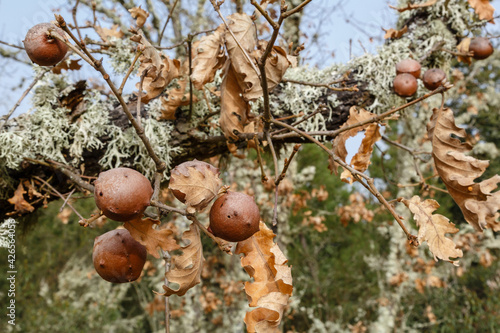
[(276, 175), (12, 45), (168, 260), (160, 37), (131, 68), (66, 200), (322, 85), (74, 20), (25, 93), (88, 222), (287, 164), (321, 108), (59, 194), (168, 209), (190, 63), (263, 177)]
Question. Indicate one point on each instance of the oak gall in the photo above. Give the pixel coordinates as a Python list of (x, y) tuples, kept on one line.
[(234, 217), (118, 257), (43, 49), (405, 85), (434, 78), (122, 194)]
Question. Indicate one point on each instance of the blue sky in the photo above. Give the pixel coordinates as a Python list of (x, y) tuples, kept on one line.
[(358, 20)]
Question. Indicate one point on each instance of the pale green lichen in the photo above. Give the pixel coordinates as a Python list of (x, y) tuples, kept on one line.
[(125, 145), (122, 54)]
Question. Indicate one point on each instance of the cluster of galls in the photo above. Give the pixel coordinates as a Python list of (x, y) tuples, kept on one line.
[(405, 83), (122, 194)]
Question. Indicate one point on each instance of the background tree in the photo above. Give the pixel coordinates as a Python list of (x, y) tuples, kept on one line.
[(212, 98)]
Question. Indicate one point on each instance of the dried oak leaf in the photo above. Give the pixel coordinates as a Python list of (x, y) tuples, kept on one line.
[(143, 232), (432, 229), (161, 70), (235, 111), (198, 181), (21, 206), (483, 9), (63, 65), (186, 268), (393, 33), (140, 15), (463, 47), (272, 285), (209, 58), (458, 172), (276, 65), (244, 30), (105, 33), (362, 158), (175, 98)]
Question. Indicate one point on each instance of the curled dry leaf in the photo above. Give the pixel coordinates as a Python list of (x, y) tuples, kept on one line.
[(152, 239), (276, 65), (140, 15), (175, 98), (186, 268), (463, 47), (244, 30), (272, 285), (361, 160), (209, 57), (198, 181), (161, 70), (483, 9), (392, 33), (458, 172), (432, 229), (21, 206), (235, 111)]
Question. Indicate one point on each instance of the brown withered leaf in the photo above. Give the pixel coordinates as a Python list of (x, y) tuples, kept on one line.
[(140, 15), (175, 98), (198, 181), (463, 47), (339, 149), (186, 268), (63, 65), (458, 172), (272, 285), (105, 33), (143, 232), (209, 57), (21, 206), (244, 30), (276, 65), (361, 160), (432, 229), (393, 33), (483, 9), (161, 70), (235, 111)]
